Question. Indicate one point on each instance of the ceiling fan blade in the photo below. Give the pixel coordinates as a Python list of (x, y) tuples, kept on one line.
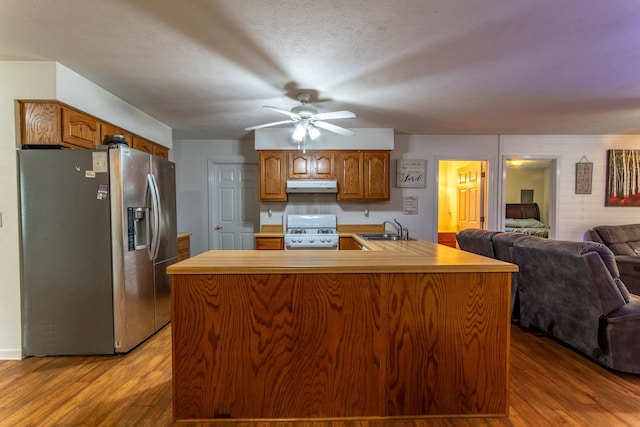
[(335, 115), (270, 124), (333, 128), (280, 110)]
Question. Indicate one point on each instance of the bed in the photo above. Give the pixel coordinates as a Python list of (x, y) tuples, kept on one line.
[(525, 218)]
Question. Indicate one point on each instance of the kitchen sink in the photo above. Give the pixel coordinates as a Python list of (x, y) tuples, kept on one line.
[(381, 236)]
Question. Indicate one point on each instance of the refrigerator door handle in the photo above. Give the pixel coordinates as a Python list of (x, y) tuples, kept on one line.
[(155, 217)]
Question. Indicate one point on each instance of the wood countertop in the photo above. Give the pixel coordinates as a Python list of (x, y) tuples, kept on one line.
[(414, 256), (183, 234)]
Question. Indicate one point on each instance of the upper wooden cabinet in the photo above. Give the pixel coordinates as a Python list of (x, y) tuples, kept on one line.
[(40, 123), (376, 175), (44, 122), (273, 177), (142, 144), (350, 175), (311, 165), (107, 129), (361, 175), (79, 129), (160, 151)]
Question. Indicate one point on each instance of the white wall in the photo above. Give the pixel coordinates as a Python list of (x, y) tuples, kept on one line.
[(577, 213), (434, 148), (28, 80), (191, 158), (75, 90), (42, 80)]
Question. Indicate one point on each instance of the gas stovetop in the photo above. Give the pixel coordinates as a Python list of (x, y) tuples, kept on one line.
[(311, 232)]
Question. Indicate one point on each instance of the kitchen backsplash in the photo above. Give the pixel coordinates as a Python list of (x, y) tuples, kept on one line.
[(346, 212)]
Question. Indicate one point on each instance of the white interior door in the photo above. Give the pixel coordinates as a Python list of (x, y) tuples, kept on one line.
[(233, 205), (469, 189)]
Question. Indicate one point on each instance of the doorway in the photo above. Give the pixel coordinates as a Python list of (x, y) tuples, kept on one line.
[(233, 205), (532, 180), (462, 195)]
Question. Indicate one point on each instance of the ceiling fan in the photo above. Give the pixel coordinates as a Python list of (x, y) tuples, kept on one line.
[(309, 120)]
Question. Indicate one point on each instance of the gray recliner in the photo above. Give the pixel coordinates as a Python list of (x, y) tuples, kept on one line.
[(624, 241), (573, 292), (477, 241), (503, 250)]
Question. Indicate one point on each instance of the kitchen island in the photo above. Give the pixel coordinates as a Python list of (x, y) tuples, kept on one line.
[(407, 328)]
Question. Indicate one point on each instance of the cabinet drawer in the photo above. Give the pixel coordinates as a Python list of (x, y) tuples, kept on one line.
[(269, 243)]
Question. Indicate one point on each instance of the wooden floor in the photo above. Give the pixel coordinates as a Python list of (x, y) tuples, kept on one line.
[(551, 386)]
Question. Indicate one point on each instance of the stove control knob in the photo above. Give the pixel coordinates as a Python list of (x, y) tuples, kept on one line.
[(312, 240)]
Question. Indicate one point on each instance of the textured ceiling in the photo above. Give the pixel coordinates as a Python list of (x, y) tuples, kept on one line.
[(206, 67)]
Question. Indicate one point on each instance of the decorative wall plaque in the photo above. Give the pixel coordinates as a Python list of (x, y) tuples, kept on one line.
[(584, 173), (411, 173)]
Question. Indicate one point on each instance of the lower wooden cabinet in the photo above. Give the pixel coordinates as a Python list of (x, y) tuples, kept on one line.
[(348, 244), (447, 238), (270, 243), (184, 246)]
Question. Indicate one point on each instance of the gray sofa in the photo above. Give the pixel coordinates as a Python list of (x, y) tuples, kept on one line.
[(571, 291), (624, 241)]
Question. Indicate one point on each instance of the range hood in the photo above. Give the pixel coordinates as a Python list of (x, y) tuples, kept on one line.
[(312, 186)]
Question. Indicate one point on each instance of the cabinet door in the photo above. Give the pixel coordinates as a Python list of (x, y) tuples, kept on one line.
[(142, 144), (324, 164), (160, 151), (348, 244), (109, 129), (350, 175), (272, 175), (80, 130), (300, 165), (376, 175), (40, 124)]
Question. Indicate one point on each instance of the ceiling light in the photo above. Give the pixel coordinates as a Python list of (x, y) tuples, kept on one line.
[(299, 132), (313, 132)]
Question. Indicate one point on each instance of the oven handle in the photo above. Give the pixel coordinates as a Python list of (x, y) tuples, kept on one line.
[(299, 248)]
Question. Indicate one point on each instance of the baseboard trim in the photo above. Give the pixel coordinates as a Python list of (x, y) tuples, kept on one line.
[(10, 354)]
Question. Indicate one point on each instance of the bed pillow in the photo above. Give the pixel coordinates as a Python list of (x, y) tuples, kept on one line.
[(523, 223)]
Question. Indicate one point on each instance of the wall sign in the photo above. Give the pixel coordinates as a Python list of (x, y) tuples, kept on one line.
[(584, 176), (410, 205), (411, 173)]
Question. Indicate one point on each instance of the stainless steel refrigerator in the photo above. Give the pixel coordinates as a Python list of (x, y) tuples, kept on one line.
[(98, 229)]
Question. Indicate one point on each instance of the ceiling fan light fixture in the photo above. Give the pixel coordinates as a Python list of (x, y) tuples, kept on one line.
[(299, 132), (314, 132)]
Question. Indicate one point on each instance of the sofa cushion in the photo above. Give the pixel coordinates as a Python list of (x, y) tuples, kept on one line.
[(568, 265), (476, 241), (608, 257), (621, 239), (623, 290)]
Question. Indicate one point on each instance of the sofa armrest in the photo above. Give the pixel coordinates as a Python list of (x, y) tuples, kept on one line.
[(629, 268)]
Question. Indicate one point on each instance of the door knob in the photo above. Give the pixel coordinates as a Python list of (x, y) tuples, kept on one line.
[(218, 227)]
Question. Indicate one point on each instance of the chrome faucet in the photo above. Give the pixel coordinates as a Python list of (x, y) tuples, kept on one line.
[(402, 232)]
